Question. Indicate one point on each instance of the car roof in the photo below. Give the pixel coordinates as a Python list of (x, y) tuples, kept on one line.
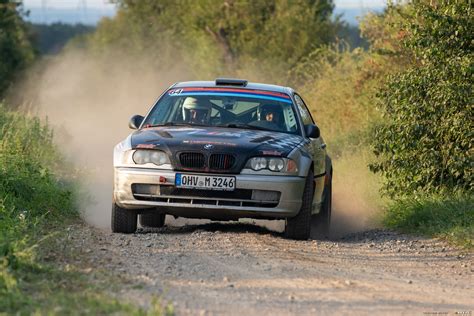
[(249, 85)]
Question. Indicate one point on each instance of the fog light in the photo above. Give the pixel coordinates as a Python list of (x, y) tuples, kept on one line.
[(264, 195), (148, 189)]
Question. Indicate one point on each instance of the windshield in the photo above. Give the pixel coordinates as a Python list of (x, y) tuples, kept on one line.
[(225, 107)]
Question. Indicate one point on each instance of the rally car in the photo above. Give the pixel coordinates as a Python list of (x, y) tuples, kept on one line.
[(224, 150)]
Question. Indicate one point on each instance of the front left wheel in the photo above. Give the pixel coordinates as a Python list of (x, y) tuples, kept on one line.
[(123, 220), (322, 220)]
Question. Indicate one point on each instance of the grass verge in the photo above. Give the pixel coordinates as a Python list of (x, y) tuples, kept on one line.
[(48, 282), (447, 217), (35, 209)]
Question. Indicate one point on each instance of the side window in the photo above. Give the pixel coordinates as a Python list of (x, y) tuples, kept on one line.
[(304, 112), (290, 119)]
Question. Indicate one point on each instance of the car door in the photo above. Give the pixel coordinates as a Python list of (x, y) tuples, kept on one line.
[(317, 148)]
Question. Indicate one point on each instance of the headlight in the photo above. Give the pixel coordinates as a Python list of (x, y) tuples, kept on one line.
[(258, 163), (272, 164), (156, 157), (276, 164)]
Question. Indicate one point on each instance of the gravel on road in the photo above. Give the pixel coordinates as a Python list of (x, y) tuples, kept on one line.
[(235, 268)]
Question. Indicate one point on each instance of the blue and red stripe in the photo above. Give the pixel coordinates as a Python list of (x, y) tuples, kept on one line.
[(269, 95)]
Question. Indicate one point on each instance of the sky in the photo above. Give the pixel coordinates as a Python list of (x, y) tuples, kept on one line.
[(91, 11), (105, 3), (358, 4), (68, 4)]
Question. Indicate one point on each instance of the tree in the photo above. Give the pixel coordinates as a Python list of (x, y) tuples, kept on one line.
[(225, 36), (425, 142), (15, 48), (49, 39)]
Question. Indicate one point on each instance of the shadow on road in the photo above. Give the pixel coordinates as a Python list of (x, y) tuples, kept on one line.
[(256, 227), (215, 227)]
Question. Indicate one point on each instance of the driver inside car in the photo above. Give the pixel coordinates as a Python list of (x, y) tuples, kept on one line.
[(196, 111), (271, 114)]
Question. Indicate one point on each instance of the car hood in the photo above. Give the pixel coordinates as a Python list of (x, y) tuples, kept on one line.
[(242, 143)]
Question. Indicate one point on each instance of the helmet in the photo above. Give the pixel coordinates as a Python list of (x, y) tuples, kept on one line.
[(265, 109), (196, 110)]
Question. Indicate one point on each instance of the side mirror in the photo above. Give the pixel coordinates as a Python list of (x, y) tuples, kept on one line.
[(135, 121), (312, 131)]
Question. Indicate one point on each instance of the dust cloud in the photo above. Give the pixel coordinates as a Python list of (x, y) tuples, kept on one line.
[(356, 202), (88, 100)]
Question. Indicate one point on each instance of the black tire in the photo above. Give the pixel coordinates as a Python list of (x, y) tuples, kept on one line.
[(299, 227), (154, 220), (322, 221), (123, 220)]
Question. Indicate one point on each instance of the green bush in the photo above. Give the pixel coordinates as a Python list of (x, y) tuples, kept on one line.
[(338, 86), (424, 143), (30, 196)]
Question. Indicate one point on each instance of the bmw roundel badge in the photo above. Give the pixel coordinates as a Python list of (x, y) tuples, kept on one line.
[(208, 146)]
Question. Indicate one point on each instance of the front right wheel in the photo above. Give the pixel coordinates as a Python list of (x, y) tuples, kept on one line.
[(299, 227), (123, 220), (154, 220)]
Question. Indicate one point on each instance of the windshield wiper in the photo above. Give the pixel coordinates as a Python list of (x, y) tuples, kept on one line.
[(241, 125), (175, 124)]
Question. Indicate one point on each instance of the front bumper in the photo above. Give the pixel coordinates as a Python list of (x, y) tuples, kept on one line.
[(195, 206)]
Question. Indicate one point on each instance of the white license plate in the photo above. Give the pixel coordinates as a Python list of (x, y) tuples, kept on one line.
[(205, 182)]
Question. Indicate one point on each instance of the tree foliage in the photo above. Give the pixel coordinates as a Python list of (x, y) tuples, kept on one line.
[(222, 36), (15, 48), (425, 140), (49, 39)]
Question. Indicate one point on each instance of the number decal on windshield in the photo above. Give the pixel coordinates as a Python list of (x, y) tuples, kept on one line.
[(175, 92)]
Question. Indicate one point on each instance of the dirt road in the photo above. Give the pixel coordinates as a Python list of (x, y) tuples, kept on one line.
[(242, 269)]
